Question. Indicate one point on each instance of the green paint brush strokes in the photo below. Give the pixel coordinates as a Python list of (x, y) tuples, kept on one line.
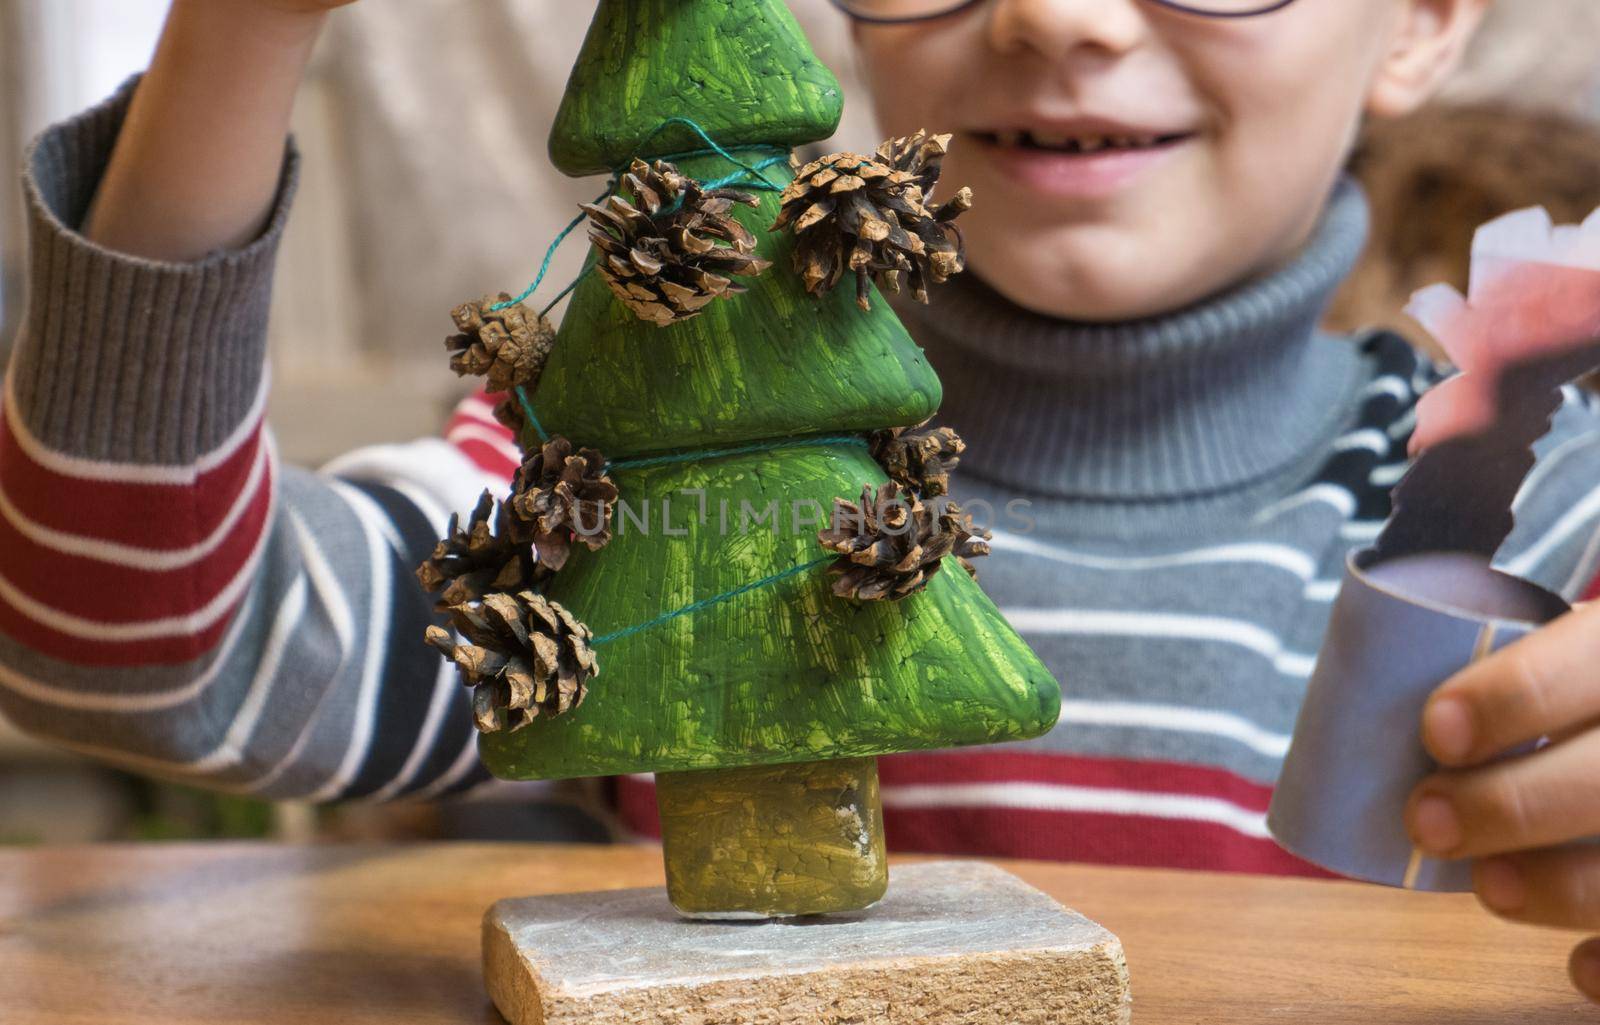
[(786, 673), (741, 68), (772, 362)]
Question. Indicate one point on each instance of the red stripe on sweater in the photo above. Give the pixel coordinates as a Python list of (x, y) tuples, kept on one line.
[(1593, 594), (1003, 766), (1096, 838), (79, 651), (109, 592), (477, 409), (1099, 837), (158, 516)]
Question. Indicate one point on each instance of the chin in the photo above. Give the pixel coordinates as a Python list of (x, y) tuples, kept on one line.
[(1094, 296)]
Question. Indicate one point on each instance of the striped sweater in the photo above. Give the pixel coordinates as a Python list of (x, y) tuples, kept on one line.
[(1172, 503)]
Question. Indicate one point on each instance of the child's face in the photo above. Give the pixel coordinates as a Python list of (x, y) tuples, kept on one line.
[(1225, 135)]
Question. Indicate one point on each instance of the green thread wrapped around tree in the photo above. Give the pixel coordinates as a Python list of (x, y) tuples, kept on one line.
[(790, 673)]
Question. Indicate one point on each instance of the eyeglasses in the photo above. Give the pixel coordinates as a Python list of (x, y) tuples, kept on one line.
[(894, 12)]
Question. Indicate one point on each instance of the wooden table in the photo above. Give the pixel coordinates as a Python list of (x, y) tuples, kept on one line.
[(245, 933)]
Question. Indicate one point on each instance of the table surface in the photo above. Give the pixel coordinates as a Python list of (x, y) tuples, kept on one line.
[(246, 933)]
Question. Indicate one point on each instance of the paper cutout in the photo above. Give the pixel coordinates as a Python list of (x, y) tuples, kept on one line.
[(1424, 601)]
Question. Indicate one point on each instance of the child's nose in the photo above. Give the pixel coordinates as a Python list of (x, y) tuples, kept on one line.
[(1058, 29)]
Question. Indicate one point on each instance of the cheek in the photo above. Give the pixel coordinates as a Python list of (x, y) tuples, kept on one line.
[(909, 73), (1283, 129)]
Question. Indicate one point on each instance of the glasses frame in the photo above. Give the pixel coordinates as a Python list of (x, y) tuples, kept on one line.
[(1174, 5)]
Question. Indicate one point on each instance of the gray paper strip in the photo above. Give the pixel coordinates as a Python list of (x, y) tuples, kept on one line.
[(1397, 632)]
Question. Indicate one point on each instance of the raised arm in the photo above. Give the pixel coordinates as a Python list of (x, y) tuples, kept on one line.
[(171, 599), (198, 160)]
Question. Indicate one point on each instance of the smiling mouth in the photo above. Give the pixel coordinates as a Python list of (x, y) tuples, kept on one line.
[(1082, 144)]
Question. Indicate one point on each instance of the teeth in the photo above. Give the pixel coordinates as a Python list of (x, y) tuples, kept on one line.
[(1065, 143)]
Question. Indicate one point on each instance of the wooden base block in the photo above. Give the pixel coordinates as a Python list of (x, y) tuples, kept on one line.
[(952, 942)]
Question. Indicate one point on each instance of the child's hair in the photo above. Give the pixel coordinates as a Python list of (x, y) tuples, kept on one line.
[(1434, 177)]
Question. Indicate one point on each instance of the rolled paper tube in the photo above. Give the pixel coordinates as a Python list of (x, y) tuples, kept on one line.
[(1399, 629), (773, 841)]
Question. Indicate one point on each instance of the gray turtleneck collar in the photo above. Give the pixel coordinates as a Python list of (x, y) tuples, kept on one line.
[(1237, 393)]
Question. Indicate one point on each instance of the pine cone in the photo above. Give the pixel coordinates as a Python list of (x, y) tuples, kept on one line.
[(484, 557), (509, 412), (891, 544), (524, 656), (674, 248), (920, 458), (557, 496), (507, 346), (874, 216)]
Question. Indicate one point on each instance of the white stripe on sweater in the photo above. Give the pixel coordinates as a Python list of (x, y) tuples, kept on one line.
[(1324, 590), (1330, 494), (1389, 474), (149, 701), (1176, 719), (1163, 625), (1388, 384), (230, 751), (153, 560), (373, 523), (1549, 464), (464, 764), (431, 465), (326, 583), (187, 624), (474, 408), (445, 687), (1371, 439), (1585, 572), (1284, 557), (1057, 798), (1578, 518), (132, 473), (495, 439)]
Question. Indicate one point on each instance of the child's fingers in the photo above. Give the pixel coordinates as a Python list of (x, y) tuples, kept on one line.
[(1520, 804), (1555, 887), (1546, 683), (1585, 969)]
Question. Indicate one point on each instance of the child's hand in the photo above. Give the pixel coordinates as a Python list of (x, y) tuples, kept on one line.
[(1514, 814)]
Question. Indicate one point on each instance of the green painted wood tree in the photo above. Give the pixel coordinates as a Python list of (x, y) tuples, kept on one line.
[(762, 715)]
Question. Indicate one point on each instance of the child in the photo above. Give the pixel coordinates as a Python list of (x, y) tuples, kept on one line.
[(1134, 351)]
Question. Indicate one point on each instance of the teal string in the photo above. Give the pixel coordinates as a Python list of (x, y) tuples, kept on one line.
[(533, 418), (709, 141), (761, 184), (549, 255), (705, 603)]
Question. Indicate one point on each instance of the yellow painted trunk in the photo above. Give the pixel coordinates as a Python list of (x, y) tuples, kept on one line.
[(773, 841)]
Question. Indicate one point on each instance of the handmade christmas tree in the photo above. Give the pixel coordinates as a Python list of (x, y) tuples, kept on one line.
[(758, 685)]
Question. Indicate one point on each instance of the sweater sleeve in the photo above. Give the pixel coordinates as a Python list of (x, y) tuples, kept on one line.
[(173, 600), (1556, 539)]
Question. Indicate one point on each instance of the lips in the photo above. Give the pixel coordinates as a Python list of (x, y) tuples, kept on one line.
[(1081, 160)]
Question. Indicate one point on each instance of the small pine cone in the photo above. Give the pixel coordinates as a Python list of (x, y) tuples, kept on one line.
[(524, 656), (509, 412), (673, 248), (875, 216), (485, 556), (892, 543), (507, 347), (920, 458), (558, 495)]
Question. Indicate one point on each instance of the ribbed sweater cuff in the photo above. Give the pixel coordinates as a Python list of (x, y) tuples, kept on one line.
[(126, 359)]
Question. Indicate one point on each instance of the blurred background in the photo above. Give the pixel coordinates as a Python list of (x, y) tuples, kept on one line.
[(423, 128)]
